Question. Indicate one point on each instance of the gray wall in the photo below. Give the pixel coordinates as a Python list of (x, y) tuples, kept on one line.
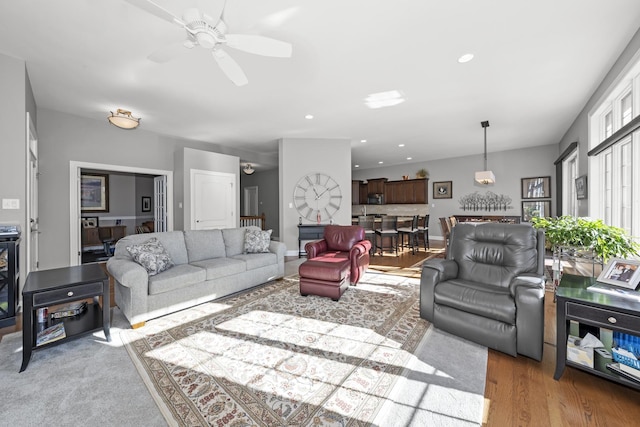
[(579, 129), (300, 156), (268, 196), (508, 166)]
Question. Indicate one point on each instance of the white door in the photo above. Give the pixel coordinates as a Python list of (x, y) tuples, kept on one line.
[(160, 203), (32, 231), (251, 201), (213, 200)]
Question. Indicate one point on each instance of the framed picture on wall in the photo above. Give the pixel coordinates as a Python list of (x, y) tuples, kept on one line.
[(581, 187), (94, 192), (535, 208), (536, 188), (146, 204), (443, 190)]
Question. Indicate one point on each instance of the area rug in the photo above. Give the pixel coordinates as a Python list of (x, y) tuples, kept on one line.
[(270, 357)]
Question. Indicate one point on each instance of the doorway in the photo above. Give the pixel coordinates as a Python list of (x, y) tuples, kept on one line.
[(76, 215)]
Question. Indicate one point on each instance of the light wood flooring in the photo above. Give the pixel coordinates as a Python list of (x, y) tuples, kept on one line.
[(522, 392)]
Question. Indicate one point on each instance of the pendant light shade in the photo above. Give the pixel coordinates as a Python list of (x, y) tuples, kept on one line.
[(486, 176)]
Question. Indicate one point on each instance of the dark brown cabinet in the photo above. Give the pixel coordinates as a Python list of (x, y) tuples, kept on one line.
[(376, 186), (409, 191)]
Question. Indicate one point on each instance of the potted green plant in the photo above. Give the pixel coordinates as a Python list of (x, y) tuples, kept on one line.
[(606, 241), (422, 173)]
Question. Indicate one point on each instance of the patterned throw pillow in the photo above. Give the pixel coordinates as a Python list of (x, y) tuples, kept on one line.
[(151, 255), (257, 241)]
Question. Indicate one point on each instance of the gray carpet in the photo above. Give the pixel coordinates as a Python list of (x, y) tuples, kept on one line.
[(85, 381), (89, 381)]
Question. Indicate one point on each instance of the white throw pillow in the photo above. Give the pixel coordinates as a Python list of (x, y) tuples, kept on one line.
[(151, 255), (257, 241)]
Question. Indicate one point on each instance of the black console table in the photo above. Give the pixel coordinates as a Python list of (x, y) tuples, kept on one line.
[(593, 309), (62, 286), (309, 232)]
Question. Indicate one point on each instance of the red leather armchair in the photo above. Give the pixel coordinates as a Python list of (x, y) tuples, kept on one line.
[(334, 262)]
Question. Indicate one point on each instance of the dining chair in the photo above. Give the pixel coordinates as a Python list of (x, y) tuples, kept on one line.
[(367, 222), (445, 224), (388, 230), (423, 230), (411, 232)]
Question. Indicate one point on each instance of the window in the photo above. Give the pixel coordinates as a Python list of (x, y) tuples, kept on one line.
[(615, 195)]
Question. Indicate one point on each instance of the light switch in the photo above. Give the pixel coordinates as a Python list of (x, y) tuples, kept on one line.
[(10, 203)]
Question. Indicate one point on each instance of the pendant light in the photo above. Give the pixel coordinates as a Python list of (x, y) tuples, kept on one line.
[(486, 176)]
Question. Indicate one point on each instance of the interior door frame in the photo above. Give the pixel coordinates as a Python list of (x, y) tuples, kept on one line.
[(31, 199), (74, 196)]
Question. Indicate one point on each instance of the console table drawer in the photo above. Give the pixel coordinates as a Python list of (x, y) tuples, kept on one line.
[(603, 317), (70, 293)]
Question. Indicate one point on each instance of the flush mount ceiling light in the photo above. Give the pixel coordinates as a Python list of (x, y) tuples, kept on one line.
[(248, 170), (486, 176), (123, 119), (465, 58), (384, 99)]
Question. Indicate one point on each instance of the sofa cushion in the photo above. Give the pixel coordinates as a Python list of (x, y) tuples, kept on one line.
[(233, 240), (173, 242), (204, 244), (177, 277), (257, 241), (151, 255), (257, 260), (221, 267), (493, 302)]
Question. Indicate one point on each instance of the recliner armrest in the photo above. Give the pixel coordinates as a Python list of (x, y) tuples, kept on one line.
[(526, 280), (447, 268), (315, 248), (360, 248), (434, 271)]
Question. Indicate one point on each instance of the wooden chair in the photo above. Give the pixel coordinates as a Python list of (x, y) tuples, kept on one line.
[(445, 224), (367, 222), (411, 232), (388, 230), (423, 230)]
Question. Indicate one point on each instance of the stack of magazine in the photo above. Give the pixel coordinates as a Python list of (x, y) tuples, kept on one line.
[(70, 310), (51, 334), (625, 371)]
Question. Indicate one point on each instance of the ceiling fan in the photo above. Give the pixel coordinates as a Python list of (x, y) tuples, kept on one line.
[(204, 31)]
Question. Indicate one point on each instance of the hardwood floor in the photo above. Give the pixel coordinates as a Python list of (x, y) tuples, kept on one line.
[(522, 392)]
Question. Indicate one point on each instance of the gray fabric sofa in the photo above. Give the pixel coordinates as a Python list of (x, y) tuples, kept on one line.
[(490, 288), (208, 264)]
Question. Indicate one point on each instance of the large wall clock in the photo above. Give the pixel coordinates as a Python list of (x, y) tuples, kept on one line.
[(317, 193)]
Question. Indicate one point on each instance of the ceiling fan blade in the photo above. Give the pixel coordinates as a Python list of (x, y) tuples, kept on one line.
[(167, 53), (157, 10), (259, 45), (230, 67)]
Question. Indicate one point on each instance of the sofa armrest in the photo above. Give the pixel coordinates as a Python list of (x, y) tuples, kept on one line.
[(128, 273), (434, 271), (528, 293), (278, 248), (359, 249), (314, 249)]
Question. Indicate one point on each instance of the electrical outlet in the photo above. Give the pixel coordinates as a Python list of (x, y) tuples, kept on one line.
[(10, 203)]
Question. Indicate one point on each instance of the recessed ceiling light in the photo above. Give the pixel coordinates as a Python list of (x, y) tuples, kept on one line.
[(465, 58), (363, 140), (384, 99), (380, 162), (400, 145), (409, 158), (356, 166), (309, 116)]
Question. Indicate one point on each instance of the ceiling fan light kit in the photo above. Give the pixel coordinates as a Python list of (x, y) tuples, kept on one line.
[(486, 176), (201, 32), (123, 119)]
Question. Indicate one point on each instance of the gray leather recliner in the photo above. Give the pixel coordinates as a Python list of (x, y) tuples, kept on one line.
[(490, 287)]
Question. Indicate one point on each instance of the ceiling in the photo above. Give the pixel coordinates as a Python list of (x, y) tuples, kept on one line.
[(536, 64)]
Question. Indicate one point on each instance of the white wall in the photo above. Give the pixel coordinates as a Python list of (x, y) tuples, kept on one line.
[(300, 156)]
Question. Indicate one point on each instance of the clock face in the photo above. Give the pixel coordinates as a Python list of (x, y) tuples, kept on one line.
[(317, 193)]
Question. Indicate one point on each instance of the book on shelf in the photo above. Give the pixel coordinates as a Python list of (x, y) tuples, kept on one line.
[(625, 371), (51, 334), (70, 310), (612, 290)]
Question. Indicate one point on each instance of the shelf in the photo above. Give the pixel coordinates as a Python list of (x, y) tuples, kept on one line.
[(82, 324)]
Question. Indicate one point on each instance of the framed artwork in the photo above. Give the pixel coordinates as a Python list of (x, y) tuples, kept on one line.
[(90, 221), (535, 208), (581, 187), (94, 192), (443, 190), (146, 204), (538, 187), (621, 272)]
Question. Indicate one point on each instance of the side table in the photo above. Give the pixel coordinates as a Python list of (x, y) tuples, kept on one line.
[(575, 302), (62, 286)]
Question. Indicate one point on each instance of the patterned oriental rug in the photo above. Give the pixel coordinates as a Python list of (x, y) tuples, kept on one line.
[(270, 357)]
